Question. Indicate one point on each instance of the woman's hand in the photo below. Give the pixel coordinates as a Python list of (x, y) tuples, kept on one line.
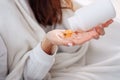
[(100, 28), (78, 37), (56, 37), (81, 37)]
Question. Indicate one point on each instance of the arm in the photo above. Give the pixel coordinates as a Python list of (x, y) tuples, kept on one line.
[(3, 60), (39, 62)]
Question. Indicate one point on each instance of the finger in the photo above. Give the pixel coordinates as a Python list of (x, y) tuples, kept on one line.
[(84, 37), (106, 24), (96, 36), (63, 42), (100, 30), (67, 44), (90, 35)]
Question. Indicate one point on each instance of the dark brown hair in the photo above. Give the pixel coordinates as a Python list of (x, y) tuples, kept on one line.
[(49, 12)]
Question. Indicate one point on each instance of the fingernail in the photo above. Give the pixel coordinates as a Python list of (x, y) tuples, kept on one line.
[(70, 44), (110, 21)]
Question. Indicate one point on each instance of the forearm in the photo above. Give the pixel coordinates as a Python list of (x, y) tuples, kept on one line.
[(38, 64), (47, 46)]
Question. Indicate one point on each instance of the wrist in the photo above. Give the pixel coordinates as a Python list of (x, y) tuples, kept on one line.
[(47, 46)]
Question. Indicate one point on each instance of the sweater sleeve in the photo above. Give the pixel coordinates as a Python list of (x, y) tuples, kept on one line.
[(3, 60), (38, 64)]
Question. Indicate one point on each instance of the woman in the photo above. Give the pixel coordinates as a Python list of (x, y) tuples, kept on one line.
[(28, 53)]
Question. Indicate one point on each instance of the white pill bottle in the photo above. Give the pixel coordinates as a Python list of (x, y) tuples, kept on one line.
[(92, 15)]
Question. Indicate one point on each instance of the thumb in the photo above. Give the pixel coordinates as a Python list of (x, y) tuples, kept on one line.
[(93, 34)]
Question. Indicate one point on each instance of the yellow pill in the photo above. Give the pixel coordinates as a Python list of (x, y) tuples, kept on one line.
[(68, 33)]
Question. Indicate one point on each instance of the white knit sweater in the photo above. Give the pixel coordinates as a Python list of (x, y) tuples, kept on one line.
[(20, 51)]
